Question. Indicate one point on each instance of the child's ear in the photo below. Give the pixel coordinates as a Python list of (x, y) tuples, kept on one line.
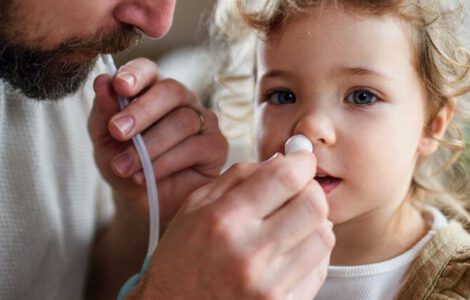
[(436, 129)]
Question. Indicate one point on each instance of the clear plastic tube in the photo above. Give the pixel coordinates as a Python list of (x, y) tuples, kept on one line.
[(148, 174)]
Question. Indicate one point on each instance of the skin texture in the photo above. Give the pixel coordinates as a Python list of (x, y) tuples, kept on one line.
[(320, 60)]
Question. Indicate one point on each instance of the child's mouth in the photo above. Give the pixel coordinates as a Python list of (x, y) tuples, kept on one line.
[(327, 182)]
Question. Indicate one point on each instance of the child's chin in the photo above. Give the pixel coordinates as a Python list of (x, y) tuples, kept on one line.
[(338, 213)]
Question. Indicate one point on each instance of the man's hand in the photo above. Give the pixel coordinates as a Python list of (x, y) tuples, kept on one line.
[(166, 114), (186, 153), (259, 231)]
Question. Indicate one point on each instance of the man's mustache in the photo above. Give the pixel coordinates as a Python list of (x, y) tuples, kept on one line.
[(51, 74), (118, 40)]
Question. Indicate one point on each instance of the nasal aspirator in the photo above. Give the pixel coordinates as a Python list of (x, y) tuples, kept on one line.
[(298, 142)]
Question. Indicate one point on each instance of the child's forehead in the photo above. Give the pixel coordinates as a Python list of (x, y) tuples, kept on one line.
[(321, 21), (330, 44), (337, 34)]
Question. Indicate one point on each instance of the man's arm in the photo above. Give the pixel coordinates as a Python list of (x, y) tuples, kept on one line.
[(118, 253)]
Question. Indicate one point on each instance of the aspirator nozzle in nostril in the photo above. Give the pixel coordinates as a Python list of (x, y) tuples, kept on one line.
[(298, 142)]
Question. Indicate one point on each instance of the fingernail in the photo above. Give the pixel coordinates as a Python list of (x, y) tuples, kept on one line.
[(127, 77), (330, 224), (139, 178), (276, 155), (123, 163), (124, 124)]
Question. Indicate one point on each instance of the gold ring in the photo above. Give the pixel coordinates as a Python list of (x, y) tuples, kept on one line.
[(202, 119)]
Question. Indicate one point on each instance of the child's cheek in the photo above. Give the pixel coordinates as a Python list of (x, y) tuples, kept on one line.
[(272, 132), (263, 148)]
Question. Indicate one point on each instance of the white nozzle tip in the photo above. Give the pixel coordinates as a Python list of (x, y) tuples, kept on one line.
[(298, 142)]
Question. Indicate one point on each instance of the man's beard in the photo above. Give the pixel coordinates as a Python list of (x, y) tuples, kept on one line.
[(55, 73)]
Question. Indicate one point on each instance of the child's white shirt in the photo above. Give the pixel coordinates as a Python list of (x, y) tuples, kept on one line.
[(380, 280)]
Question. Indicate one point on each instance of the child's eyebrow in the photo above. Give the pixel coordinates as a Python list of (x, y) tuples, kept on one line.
[(277, 73), (358, 71), (338, 71)]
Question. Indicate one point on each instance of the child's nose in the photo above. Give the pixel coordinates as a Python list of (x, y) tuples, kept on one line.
[(152, 17), (317, 127)]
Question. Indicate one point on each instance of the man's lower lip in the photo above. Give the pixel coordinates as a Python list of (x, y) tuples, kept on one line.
[(330, 186)]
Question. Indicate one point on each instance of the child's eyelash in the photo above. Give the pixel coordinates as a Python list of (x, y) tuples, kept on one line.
[(362, 97), (289, 96), (359, 97), (272, 91)]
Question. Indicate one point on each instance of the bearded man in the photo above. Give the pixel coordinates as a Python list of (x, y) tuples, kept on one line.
[(72, 207)]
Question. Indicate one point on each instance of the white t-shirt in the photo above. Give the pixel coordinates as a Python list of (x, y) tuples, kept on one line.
[(52, 198), (380, 280)]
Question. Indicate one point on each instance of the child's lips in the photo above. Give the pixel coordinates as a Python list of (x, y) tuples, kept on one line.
[(327, 182)]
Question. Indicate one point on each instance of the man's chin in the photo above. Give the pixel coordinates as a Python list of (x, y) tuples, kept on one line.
[(51, 80), (63, 79), (42, 75)]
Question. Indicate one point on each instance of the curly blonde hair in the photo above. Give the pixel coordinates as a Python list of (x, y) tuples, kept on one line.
[(440, 59)]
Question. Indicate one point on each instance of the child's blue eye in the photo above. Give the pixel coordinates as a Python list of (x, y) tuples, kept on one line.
[(361, 97), (281, 97)]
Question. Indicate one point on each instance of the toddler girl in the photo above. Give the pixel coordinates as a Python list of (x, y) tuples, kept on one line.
[(378, 87)]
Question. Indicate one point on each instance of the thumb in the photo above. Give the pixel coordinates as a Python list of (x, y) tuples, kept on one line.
[(104, 107)]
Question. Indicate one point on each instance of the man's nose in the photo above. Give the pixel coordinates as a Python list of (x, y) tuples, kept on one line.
[(152, 17), (318, 127)]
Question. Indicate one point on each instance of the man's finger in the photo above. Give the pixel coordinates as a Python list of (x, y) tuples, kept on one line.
[(132, 78), (173, 145), (192, 153), (150, 107), (272, 185), (297, 219), (170, 131), (104, 107), (309, 285), (235, 175)]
